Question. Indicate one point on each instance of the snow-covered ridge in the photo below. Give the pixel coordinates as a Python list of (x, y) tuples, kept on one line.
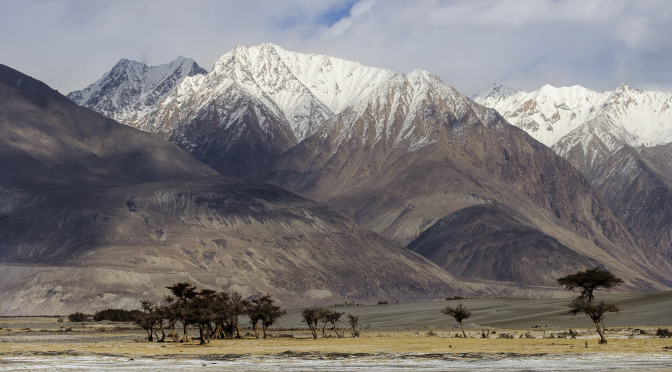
[(551, 113), (335, 82), (305, 89), (299, 92), (132, 89)]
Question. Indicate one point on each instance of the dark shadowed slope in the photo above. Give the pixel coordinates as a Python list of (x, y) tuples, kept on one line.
[(485, 241), (45, 138), (115, 246)]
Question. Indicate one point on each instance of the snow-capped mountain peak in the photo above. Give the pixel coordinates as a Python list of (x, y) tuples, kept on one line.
[(132, 89), (494, 92), (305, 89), (551, 113)]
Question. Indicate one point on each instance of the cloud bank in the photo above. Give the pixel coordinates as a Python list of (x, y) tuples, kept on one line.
[(469, 44)]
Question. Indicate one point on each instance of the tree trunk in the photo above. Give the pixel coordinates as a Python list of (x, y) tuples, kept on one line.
[(201, 333), (256, 330), (172, 331), (313, 330), (163, 331), (603, 340), (463, 333), (219, 332), (185, 337), (263, 328), (211, 332), (235, 325)]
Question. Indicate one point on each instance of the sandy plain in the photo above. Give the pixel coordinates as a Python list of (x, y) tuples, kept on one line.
[(393, 336)]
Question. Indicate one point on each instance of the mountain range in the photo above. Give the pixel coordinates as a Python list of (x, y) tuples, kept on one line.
[(400, 154), (324, 180), (620, 140), (95, 214)]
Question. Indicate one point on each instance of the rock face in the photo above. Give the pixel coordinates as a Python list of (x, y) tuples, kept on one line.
[(68, 251), (619, 140), (132, 89), (637, 185), (95, 214), (484, 241), (417, 151)]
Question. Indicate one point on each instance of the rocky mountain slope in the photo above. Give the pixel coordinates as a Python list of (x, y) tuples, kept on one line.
[(132, 89), (397, 153), (95, 214), (64, 251), (613, 138), (46, 139), (416, 151), (485, 241)]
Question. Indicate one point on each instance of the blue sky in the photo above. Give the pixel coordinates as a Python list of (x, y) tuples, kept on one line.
[(467, 43)]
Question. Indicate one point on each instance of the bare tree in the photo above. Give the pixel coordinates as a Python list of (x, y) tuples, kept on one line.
[(333, 317), (271, 314), (354, 322), (200, 313), (589, 280), (238, 306), (460, 313), (184, 292), (262, 310), (170, 315), (595, 312), (312, 316), (149, 319)]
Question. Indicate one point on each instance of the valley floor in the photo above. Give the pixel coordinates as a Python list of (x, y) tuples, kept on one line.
[(427, 342)]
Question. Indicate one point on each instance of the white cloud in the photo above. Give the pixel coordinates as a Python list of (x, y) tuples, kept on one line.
[(469, 44), (358, 10)]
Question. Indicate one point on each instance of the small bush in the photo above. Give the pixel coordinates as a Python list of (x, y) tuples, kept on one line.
[(431, 333), (382, 302), (117, 315), (78, 317), (507, 336), (665, 333), (569, 334)]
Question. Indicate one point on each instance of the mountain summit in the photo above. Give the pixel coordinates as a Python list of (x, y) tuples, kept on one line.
[(132, 89), (549, 114)]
